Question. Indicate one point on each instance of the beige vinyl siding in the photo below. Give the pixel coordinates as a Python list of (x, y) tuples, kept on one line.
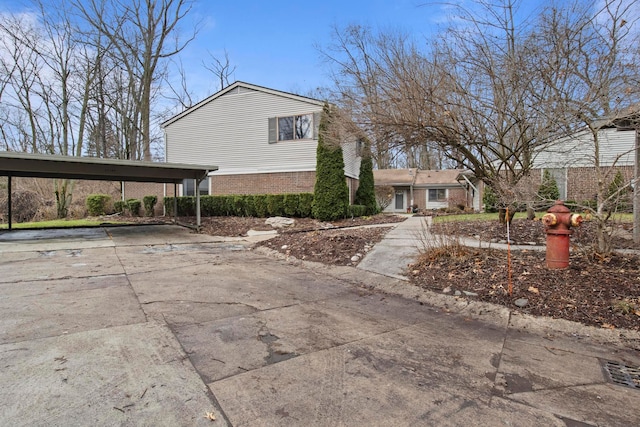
[(616, 147), (231, 131)]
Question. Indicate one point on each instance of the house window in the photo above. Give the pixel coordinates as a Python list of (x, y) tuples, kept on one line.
[(295, 127), (437, 195), (291, 128), (189, 185)]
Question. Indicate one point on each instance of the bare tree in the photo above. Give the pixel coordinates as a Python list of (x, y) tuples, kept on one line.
[(221, 69), (468, 96), (142, 34), (591, 64)]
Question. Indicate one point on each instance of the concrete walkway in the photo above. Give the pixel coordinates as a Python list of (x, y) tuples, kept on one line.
[(159, 326), (401, 246)]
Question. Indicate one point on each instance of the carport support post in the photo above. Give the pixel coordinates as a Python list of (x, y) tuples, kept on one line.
[(175, 203), (9, 199), (198, 181)]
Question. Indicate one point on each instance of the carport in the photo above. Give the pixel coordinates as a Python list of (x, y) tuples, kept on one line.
[(89, 168)]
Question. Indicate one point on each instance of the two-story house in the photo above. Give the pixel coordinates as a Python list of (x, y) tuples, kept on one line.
[(264, 141)]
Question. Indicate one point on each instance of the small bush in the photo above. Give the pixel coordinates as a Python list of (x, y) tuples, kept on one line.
[(134, 206), (250, 207), (291, 202), (149, 203), (275, 204), (305, 204), (97, 203), (119, 206), (548, 191), (357, 210), (490, 200)]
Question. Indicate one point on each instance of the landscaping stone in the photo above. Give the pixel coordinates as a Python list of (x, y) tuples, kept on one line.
[(280, 222)]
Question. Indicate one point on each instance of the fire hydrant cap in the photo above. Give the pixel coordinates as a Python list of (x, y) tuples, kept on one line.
[(549, 219), (558, 207)]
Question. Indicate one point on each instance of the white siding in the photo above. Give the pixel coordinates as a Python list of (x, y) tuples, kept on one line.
[(231, 132), (616, 148), (351, 160)]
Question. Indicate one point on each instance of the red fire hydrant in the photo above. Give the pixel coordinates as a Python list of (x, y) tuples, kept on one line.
[(558, 221)]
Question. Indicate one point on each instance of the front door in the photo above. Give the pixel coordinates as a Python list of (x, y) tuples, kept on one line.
[(399, 201)]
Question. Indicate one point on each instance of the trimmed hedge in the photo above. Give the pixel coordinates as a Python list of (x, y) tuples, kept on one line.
[(254, 205), (97, 204), (358, 210), (134, 206), (119, 206), (149, 203)]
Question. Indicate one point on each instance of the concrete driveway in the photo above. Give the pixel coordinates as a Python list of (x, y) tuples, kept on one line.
[(155, 325)]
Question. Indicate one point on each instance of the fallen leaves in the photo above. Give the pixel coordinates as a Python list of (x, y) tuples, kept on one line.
[(210, 416)]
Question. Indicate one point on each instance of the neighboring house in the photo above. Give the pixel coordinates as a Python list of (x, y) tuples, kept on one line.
[(264, 141), (430, 189), (570, 161)]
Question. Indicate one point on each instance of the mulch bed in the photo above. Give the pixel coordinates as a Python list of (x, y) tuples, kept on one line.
[(594, 290)]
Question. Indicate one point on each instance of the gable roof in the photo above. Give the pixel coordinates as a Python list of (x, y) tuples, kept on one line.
[(418, 177), (238, 86)]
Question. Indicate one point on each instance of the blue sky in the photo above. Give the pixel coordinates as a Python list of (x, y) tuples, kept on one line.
[(272, 43)]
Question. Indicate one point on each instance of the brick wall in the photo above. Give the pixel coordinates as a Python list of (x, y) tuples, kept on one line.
[(582, 183), (264, 183), (458, 196), (420, 198), (137, 190)]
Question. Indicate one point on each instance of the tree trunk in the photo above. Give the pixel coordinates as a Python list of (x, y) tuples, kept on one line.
[(603, 243), (64, 196), (502, 215)]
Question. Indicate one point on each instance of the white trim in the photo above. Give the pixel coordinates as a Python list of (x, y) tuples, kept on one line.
[(224, 172), (232, 87), (220, 172)]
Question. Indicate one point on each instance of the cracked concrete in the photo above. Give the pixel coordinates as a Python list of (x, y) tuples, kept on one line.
[(158, 326)]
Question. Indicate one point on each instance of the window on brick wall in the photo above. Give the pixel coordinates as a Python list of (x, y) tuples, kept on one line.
[(189, 185), (291, 128), (437, 194)]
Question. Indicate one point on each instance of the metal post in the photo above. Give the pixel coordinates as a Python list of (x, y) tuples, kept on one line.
[(9, 198), (636, 191), (175, 202), (198, 181)]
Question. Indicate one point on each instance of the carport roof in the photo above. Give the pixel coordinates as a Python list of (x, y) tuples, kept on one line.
[(49, 166)]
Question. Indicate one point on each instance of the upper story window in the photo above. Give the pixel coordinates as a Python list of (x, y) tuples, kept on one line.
[(291, 128)]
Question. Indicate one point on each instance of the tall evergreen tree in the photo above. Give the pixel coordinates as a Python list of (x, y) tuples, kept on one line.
[(331, 194), (366, 194)]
